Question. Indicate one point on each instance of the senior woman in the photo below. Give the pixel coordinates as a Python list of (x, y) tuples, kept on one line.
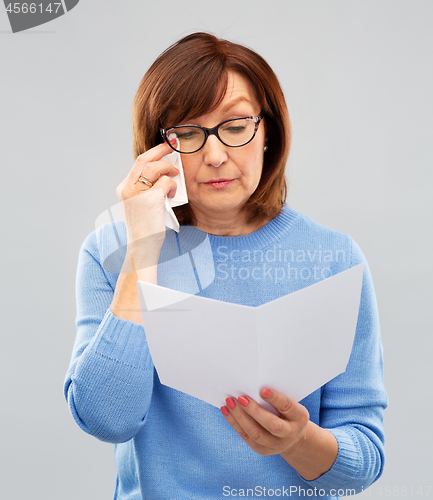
[(220, 105)]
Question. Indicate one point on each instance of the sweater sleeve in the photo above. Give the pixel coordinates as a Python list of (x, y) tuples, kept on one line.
[(352, 404), (109, 382)]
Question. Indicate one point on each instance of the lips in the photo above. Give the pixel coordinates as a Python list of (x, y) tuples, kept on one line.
[(219, 183)]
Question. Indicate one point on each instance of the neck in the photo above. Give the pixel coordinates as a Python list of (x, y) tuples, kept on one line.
[(225, 223)]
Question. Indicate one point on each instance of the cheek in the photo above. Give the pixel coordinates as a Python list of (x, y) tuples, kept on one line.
[(253, 166), (189, 170)]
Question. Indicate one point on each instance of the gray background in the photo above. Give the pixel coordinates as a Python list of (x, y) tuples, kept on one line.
[(357, 76)]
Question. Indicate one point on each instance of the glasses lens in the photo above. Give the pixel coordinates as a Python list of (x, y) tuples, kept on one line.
[(237, 132), (190, 138)]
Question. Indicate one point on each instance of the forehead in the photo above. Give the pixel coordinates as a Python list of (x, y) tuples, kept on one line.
[(238, 89), (232, 92), (238, 92)]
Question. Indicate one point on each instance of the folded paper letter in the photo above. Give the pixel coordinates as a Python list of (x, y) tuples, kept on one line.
[(211, 349)]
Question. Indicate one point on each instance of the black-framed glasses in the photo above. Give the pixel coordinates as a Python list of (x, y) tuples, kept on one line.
[(233, 133)]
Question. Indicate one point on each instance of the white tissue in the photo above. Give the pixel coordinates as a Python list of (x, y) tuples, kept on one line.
[(181, 197)]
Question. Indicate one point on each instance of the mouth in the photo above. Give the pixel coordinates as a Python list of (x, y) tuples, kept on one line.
[(219, 183)]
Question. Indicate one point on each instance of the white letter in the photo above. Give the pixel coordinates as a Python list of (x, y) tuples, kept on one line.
[(268, 272), (246, 276), (222, 253), (274, 256), (302, 273), (231, 255), (246, 256), (277, 277), (326, 269), (222, 271), (252, 272)]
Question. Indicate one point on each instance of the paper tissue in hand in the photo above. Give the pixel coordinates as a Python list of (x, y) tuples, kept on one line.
[(181, 197)]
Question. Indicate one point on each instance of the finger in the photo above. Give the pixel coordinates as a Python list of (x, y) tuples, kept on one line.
[(232, 421), (154, 154), (237, 427), (250, 426), (153, 171), (290, 409), (275, 425), (167, 184)]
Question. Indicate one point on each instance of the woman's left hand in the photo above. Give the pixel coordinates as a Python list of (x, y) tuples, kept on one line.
[(264, 432)]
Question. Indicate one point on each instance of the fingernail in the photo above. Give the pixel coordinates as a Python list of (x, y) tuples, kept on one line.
[(243, 401), (230, 403), (224, 410), (266, 393), (173, 141)]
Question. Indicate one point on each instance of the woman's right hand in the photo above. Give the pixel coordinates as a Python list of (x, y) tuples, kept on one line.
[(143, 205)]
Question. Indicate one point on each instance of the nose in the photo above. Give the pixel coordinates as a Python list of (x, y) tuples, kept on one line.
[(214, 151)]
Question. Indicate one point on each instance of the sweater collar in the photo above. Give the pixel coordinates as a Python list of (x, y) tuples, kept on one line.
[(270, 233)]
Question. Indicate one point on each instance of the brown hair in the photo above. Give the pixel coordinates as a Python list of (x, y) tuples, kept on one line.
[(189, 79)]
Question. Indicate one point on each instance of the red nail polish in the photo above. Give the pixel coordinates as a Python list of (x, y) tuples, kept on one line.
[(266, 393), (243, 401), (224, 410), (230, 403), (173, 142)]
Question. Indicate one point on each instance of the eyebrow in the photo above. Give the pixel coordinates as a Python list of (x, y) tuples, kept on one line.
[(227, 107), (233, 103)]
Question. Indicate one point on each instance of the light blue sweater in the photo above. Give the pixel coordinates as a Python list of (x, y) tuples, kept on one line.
[(172, 446)]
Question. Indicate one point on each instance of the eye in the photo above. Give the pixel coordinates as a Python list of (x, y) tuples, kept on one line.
[(187, 134), (235, 129)]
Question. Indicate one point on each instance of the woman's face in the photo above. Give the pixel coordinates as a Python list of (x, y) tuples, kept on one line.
[(220, 179)]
